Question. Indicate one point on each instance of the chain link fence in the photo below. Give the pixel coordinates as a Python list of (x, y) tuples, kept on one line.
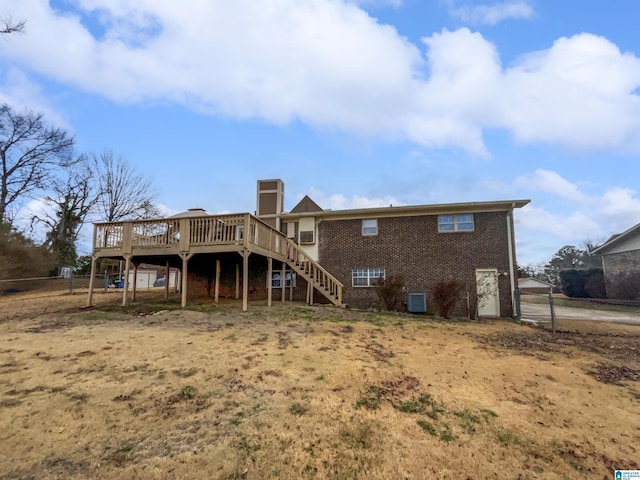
[(69, 282)]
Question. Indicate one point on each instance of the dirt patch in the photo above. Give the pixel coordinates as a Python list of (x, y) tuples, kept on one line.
[(297, 392), (614, 374), (621, 351)]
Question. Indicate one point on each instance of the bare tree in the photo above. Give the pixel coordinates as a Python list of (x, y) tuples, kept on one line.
[(124, 192), (8, 26), (30, 154), (72, 199)]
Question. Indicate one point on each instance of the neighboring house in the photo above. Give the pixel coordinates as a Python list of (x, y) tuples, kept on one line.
[(533, 285), (338, 254), (620, 257), (148, 276)]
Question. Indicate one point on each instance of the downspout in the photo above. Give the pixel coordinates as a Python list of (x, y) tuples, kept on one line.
[(512, 280)]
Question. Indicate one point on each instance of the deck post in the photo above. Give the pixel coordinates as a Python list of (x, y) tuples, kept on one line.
[(184, 276), (135, 282), (94, 260), (283, 281), (269, 280), (167, 271), (245, 280), (125, 286), (237, 281), (291, 286), (217, 287)]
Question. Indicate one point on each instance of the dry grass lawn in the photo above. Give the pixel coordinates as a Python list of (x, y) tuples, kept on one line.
[(296, 392)]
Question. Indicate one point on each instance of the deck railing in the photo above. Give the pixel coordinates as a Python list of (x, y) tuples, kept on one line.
[(314, 272), (174, 233), (183, 234)]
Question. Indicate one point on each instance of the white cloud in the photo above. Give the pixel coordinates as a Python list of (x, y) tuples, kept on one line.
[(492, 14), (330, 65), (593, 216), (579, 93), (339, 201), (378, 3), (577, 226), (21, 93), (551, 182)]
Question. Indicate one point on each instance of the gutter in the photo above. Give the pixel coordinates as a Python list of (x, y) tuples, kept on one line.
[(512, 280)]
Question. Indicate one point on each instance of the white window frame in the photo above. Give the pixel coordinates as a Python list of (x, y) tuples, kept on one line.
[(458, 222), (370, 227), (313, 237), (366, 277), (275, 277)]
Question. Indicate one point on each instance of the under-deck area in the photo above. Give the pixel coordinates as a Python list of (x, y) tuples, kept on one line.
[(173, 242)]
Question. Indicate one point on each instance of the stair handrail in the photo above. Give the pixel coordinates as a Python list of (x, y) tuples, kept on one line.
[(318, 274)]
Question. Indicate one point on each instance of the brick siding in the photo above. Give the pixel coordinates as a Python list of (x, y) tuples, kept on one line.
[(620, 263), (412, 247)]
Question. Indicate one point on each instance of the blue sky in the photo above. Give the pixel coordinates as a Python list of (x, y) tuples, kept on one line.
[(356, 103)]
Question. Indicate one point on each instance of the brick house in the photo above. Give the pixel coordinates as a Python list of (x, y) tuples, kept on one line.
[(472, 243), (620, 257), (336, 255)]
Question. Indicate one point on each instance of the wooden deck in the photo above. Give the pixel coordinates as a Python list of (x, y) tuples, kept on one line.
[(243, 233)]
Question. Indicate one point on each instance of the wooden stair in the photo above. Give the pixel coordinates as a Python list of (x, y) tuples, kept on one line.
[(316, 275)]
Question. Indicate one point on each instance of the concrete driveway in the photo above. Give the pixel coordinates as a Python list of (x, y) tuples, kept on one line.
[(537, 312)]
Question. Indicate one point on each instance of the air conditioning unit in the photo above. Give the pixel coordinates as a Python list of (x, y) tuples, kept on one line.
[(417, 302)]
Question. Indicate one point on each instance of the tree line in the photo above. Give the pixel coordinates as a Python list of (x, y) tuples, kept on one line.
[(39, 162)]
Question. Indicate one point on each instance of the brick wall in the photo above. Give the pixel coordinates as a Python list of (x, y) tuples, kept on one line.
[(412, 247), (619, 263)]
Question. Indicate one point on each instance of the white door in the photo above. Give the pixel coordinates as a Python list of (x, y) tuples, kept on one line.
[(487, 292)]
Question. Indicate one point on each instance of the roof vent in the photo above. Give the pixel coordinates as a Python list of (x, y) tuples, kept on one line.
[(417, 302)]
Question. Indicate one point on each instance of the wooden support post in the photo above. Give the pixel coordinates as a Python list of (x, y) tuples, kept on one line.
[(237, 281), (185, 276), (135, 282), (245, 280), (283, 281), (125, 286), (167, 273), (94, 260), (217, 287), (291, 287), (269, 280), (553, 312), (310, 293)]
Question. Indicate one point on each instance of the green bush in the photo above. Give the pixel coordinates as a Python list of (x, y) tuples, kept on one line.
[(583, 283)]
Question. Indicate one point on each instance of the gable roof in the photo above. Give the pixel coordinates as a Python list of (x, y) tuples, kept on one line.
[(192, 212), (615, 240), (306, 205), (410, 210)]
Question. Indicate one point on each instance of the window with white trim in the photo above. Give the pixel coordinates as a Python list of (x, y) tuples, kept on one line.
[(370, 227), (366, 277), (456, 223), (276, 280)]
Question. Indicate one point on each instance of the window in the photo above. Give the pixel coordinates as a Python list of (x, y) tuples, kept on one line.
[(366, 277), (456, 223), (276, 280), (370, 227), (306, 237)]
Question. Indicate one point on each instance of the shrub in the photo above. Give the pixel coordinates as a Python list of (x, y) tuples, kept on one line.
[(583, 283), (625, 286), (445, 295), (389, 291), (20, 257)]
